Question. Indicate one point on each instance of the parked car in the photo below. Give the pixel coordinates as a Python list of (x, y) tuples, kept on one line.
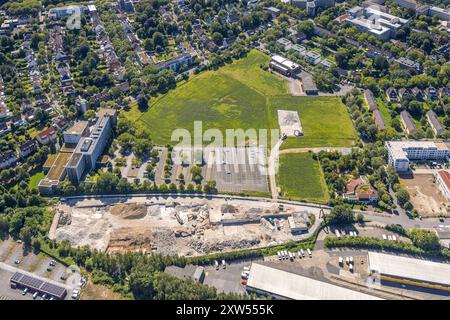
[(75, 293), (17, 261), (224, 265), (35, 295), (24, 292)]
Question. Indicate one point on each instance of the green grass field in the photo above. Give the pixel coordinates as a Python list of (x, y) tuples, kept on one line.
[(243, 96), (35, 178), (300, 178)]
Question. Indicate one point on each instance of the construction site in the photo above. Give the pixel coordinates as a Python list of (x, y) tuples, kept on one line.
[(187, 226)]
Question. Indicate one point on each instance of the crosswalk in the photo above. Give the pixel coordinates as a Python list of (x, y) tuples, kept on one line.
[(5, 298)]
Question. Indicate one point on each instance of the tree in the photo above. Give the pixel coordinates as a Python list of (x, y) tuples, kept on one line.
[(141, 282), (307, 27), (210, 187), (340, 215), (36, 244), (142, 102), (424, 239), (196, 174), (402, 196), (217, 38)]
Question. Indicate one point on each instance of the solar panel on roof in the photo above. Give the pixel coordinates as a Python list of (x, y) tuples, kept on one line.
[(31, 282), (16, 276), (53, 289)]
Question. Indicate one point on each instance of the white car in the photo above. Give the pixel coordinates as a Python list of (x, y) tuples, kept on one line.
[(75, 293)]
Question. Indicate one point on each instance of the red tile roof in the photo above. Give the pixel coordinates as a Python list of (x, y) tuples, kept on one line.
[(47, 132), (445, 175)]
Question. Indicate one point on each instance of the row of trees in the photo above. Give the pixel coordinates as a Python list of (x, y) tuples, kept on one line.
[(423, 242), (137, 275), (111, 183)]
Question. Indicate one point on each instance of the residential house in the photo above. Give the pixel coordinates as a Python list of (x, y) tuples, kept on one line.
[(47, 136), (408, 64), (7, 159), (431, 93), (370, 100), (403, 93), (274, 12), (313, 57), (445, 92), (4, 128), (285, 43), (26, 148), (359, 190), (407, 122), (391, 94), (434, 122), (417, 93), (379, 119)]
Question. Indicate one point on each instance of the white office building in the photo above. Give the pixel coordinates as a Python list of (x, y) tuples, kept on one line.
[(443, 182), (400, 153)]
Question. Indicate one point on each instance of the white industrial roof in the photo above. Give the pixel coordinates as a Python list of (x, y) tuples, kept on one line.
[(404, 267), (285, 62), (297, 287), (398, 148)]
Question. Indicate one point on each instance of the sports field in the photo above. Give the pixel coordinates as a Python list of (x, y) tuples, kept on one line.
[(300, 178), (244, 96)]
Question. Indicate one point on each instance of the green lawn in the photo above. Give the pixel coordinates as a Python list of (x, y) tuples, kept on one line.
[(35, 178), (243, 96), (300, 178), (325, 121)]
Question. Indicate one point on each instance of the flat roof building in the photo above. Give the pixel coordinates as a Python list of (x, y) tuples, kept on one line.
[(443, 182), (73, 134), (283, 65), (401, 152), (373, 21), (22, 281), (268, 280), (73, 162), (414, 273)]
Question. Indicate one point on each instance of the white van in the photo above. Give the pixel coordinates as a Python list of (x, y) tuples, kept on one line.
[(309, 252), (216, 264)]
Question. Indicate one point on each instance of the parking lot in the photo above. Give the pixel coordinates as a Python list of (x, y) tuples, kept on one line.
[(237, 169), (13, 258), (228, 279)]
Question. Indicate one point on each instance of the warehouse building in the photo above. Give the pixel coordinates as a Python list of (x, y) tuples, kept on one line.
[(22, 281), (415, 274), (266, 279), (401, 152)]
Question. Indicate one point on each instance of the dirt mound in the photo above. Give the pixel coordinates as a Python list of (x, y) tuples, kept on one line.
[(129, 211), (130, 239)]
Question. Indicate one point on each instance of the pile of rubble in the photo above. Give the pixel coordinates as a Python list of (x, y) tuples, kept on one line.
[(205, 247)]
